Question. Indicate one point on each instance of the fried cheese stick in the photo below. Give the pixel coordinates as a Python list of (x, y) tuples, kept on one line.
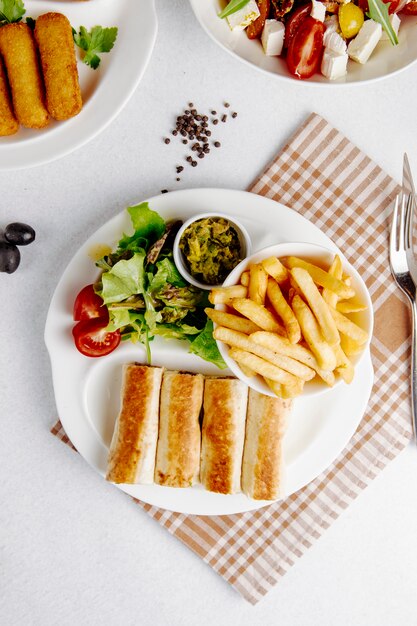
[(53, 34), (20, 57), (8, 123)]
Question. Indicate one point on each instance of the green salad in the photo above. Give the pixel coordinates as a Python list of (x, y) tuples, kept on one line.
[(146, 296)]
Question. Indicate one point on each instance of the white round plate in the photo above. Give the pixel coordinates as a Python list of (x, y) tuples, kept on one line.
[(87, 390), (385, 60), (105, 91)]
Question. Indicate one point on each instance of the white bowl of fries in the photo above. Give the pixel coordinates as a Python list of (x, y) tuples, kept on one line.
[(292, 319)]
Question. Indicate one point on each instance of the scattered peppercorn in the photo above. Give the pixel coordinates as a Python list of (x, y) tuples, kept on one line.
[(234, 114), (227, 105), (167, 141), (164, 190), (224, 118), (217, 144)]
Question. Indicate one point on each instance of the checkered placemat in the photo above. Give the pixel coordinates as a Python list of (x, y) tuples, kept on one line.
[(320, 174)]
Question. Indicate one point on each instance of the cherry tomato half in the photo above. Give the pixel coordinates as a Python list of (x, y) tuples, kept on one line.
[(92, 339), (89, 305), (305, 49), (410, 8), (292, 25)]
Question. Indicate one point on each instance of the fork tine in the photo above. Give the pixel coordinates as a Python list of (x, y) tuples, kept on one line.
[(394, 226), (409, 223), (401, 231)]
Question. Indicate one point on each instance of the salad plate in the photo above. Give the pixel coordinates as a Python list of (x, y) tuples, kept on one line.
[(385, 61), (87, 390), (105, 91)]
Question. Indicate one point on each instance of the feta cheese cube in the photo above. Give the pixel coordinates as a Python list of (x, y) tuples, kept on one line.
[(333, 65), (361, 48), (332, 24), (273, 37), (395, 23), (318, 11), (334, 42), (242, 18)]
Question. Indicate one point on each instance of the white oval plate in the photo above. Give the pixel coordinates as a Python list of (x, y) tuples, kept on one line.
[(87, 390), (105, 91), (386, 60)]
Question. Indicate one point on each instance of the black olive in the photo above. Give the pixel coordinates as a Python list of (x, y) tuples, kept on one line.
[(9, 257), (19, 234)]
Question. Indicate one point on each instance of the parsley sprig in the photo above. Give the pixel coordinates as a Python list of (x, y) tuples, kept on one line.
[(94, 42)]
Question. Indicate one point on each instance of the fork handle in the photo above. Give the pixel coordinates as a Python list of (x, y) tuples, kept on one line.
[(414, 367)]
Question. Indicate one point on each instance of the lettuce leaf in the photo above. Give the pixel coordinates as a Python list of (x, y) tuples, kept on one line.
[(205, 346), (125, 279), (166, 273), (147, 223)]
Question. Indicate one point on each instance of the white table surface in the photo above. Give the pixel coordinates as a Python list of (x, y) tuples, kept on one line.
[(75, 550)]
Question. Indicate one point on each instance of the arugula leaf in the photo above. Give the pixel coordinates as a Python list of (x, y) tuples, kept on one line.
[(96, 41), (378, 11), (232, 7), (11, 11), (205, 346), (125, 279)]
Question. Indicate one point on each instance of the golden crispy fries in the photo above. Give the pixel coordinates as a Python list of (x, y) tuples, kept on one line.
[(222, 295), (349, 346), (335, 270), (244, 278), (320, 348), (349, 328), (318, 305), (230, 320), (247, 371), (258, 314), (275, 268), (344, 366), (239, 340), (284, 391), (283, 346), (265, 369), (350, 306), (283, 309), (322, 278), (258, 283)]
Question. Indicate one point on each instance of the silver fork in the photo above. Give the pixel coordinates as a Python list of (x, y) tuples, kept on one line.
[(401, 261)]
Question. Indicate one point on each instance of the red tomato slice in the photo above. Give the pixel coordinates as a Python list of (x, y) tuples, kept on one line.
[(305, 49), (89, 305), (410, 8), (92, 339), (297, 17)]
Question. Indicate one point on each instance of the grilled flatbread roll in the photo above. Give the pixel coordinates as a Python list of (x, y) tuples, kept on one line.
[(262, 456), (133, 447), (225, 402), (178, 451)]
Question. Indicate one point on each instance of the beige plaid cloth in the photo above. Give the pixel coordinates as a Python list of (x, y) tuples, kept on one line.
[(320, 174)]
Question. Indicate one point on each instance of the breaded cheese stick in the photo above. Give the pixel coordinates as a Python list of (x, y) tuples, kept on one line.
[(8, 123), (133, 446), (20, 58), (53, 34), (262, 455), (225, 401), (178, 452)]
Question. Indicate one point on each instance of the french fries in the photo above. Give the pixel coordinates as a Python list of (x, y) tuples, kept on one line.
[(239, 340), (318, 305), (284, 311), (276, 269), (258, 282), (258, 314), (288, 322), (222, 295), (229, 320)]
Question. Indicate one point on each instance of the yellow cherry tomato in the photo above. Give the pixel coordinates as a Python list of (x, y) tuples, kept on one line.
[(350, 19)]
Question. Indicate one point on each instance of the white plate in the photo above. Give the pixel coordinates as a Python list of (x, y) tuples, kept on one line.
[(87, 390), (105, 91), (386, 60)]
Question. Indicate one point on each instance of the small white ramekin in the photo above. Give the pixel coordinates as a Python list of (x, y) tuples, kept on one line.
[(244, 240)]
